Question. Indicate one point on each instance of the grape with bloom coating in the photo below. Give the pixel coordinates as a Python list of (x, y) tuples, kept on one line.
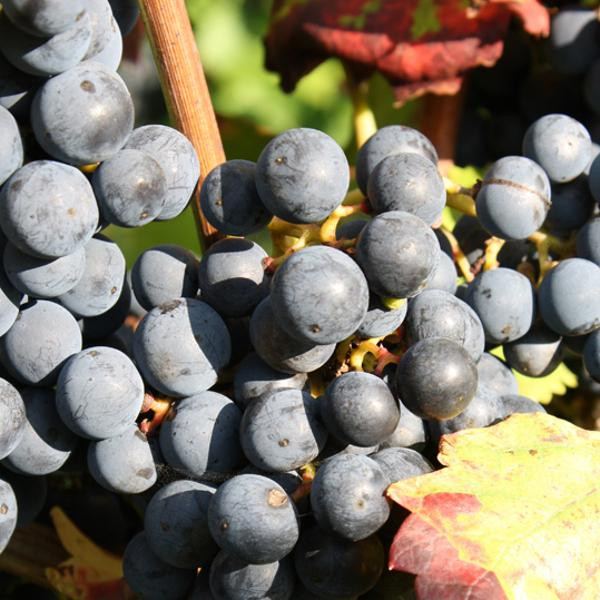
[(319, 295), (436, 378), (514, 198), (302, 175), (180, 346), (48, 209), (84, 115), (398, 253), (560, 145)]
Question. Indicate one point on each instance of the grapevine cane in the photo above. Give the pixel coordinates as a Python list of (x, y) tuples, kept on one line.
[(185, 90)]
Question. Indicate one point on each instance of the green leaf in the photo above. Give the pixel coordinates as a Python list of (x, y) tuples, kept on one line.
[(425, 19)]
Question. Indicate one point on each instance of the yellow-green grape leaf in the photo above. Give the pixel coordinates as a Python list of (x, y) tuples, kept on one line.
[(449, 218), (515, 515), (464, 176), (91, 572), (542, 389)]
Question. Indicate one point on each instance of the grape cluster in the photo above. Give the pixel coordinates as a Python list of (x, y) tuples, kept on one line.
[(260, 406)]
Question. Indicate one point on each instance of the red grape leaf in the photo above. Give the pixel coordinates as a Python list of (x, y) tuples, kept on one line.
[(516, 514), (418, 45)]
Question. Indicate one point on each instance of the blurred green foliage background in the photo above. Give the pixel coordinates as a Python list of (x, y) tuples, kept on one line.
[(250, 106)]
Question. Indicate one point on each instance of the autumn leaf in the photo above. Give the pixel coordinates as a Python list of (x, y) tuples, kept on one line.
[(516, 514), (418, 45), (91, 573)]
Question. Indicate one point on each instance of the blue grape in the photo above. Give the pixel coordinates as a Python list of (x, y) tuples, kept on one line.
[(46, 443), (30, 492), (229, 199), (106, 45), (436, 313), (443, 241), (591, 355), (123, 463), (513, 403), (290, 481), (48, 209), (10, 300), (254, 377), (109, 322), (496, 375), (408, 182), (337, 568), (380, 320), (181, 346), (126, 13), (12, 418), (202, 438), (83, 115), (347, 496), (560, 145), (302, 175), (135, 308), (350, 229), (514, 198), (401, 463), (239, 330), (594, 155), (569, 297), (444, 275), (112, 53), (436, 378), (398, 254), (594, 179), (504, 302), (319, 295), (574, 39), (282, 431), (42, 338), (45, 56), (99, 288), (163, 273), (485, 409), (46, 18), (393, 139), (409, 432), (234, 579), (280, 350), (8, 516), (99, 393), (41, 278), (176, 155), (151, 578), (11, 146), (335, 447), (232, 277), (572, 206), (359, 409), (588, 240), (16, 89), (265, 531), (130, 187), (536, 354), (176, 524)]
